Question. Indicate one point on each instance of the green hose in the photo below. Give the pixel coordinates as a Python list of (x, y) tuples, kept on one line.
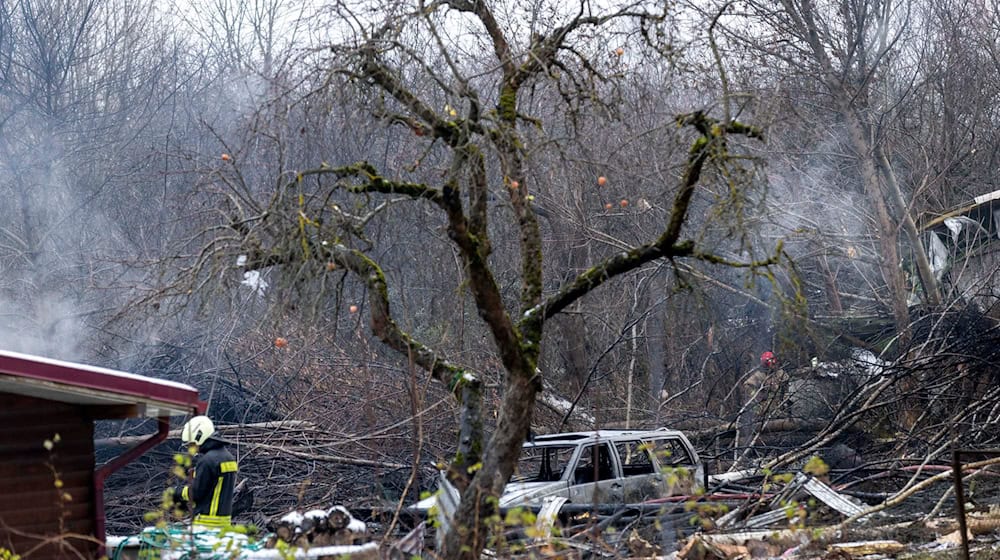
[(203, 543)]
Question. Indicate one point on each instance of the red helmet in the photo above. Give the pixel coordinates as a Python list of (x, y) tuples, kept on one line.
[(768, 360)]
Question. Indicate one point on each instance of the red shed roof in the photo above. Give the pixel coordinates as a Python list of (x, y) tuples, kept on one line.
[(56, 380)]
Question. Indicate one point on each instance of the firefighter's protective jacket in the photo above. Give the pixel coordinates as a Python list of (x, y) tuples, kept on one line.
[(213, 486)]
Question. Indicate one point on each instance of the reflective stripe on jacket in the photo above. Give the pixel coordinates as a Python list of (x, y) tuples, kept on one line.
[(213, 485)]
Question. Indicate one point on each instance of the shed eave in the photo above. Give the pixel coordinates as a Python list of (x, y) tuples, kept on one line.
[(89, 385), (147, 407)]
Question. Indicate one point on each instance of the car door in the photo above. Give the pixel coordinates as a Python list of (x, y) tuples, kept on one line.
[(641, 479), (596, 477), (676, 464)]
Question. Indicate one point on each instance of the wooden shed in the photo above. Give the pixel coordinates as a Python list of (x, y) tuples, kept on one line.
[(51, 491)]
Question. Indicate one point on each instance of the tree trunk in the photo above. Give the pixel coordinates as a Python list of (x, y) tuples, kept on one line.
[(469, 434), (478, 502), (830, 281), (927, 280), (888, 230)]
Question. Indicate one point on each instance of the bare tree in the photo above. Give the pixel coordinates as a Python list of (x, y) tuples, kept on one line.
[(861, 54), (250, 37), (453, 78)]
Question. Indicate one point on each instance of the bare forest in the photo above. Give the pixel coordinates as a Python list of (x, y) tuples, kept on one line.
[(414, 234)]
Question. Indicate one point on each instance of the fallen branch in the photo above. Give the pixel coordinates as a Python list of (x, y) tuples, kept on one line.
[(550, 399), (777, 425), (129, 441), (242, 432), (328, 458), (903, 495)]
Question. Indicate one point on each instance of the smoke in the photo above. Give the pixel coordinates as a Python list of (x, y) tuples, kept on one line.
[(48, 327), (813, 192), (817, 206), (47, 244), (91, 167)]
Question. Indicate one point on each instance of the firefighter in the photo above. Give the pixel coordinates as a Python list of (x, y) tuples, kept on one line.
[(210, 493), (768, 361), (768, 376), (764, 392)]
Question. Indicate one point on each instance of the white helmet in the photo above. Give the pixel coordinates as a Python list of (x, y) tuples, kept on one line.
[(197, 430)]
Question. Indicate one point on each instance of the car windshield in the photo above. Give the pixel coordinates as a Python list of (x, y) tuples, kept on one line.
[(543, 463)]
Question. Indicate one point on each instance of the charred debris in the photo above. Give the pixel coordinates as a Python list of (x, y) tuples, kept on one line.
[(852, 447), (847, 457)]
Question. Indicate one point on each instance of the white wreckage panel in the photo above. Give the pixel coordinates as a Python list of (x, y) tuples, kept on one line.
[(964, 234), (252, 278), (874, 366), (987, 197), (938, 255), (828, 495)]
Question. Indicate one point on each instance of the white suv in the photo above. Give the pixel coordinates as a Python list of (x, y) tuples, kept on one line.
[(602, 467), (606, 466)]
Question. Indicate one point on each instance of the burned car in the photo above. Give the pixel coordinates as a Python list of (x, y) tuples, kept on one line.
[(604, 466), (607, 466)]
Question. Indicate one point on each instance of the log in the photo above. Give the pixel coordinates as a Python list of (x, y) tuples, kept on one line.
[(974, 525), (902, 495), (777, 425), (868, 547), (550, 399)]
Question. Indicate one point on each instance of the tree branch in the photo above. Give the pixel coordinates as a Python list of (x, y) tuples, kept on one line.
[(667, 245)]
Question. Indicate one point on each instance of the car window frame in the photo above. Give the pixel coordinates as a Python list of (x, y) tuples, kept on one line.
[(567, 471), (681, 444), (640, 444), (612, 457)]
